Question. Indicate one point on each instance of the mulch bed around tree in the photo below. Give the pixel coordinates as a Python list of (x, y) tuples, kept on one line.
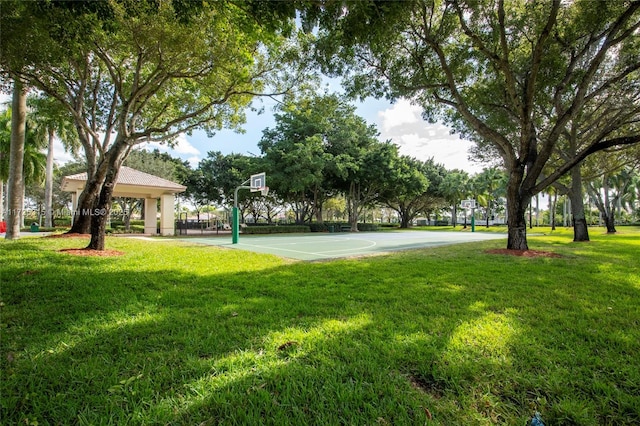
[(84, 251), (68, 236), (90, 252), (523, 253)]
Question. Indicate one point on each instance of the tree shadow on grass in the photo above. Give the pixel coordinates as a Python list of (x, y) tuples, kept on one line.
[(395, 339)]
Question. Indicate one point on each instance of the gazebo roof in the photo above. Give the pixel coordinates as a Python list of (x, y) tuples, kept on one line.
[(130, 183)]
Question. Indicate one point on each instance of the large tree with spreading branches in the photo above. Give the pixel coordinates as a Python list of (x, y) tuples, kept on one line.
[(147, 71), (511, 75)]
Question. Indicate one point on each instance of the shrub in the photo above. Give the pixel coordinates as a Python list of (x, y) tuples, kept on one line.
[(275, 229), (367, 227), (62, 221), (389, 225)]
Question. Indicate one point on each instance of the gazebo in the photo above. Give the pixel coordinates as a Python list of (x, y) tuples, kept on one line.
[(136, 184)]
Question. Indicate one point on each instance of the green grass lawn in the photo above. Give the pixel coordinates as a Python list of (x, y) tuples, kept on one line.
[(172, 333)]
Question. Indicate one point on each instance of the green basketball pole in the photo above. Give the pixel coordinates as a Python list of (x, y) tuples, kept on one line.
[(236, 226), (473, 220), (257, 182)]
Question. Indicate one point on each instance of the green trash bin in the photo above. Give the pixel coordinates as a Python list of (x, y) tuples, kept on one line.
[(35, 227), (331, 228)]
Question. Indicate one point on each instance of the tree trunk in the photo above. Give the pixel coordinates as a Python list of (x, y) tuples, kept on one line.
[(404, 220), (610, 222), (552, 210), (353, 203), (579, 222), (317, 205), (1, 201), (86, 200), (108, 172), (488, 210), (517, 204), (454, 215), (15, 186), (609, 210), (82, 214), (101, 211), (48, 185)]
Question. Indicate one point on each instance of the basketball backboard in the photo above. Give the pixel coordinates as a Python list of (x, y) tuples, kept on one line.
[(468, 204), (258, 182)]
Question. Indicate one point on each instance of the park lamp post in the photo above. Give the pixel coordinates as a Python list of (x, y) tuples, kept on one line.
[(256, 183)]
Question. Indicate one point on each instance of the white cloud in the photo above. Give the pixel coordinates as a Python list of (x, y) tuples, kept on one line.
[(402, 112), (60, 156), (403, 125), (194, 161), (182, 149)]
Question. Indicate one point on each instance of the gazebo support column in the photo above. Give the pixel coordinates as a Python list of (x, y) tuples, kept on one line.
[(150, 216), (167, 214), (75, 196)]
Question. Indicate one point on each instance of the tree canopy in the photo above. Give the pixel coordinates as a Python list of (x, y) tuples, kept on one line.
[(134, 72), (508, 74)]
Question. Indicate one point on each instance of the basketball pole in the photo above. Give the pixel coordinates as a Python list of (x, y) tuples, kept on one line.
[(256, 183), (235, 227), (473, 220)]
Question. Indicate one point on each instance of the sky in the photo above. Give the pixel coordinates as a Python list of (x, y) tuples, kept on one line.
[(399, 122)]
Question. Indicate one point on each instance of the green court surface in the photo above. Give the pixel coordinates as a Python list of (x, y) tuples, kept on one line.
[(331, 246)]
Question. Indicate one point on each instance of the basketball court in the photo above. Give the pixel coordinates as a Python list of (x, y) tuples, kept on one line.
[(331, 246)]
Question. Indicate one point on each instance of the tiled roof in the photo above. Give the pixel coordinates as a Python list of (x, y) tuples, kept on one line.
[(129, 176)]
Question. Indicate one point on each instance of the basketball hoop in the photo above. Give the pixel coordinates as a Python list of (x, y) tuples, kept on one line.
[(263, 190), (257, 183), (468, 204)]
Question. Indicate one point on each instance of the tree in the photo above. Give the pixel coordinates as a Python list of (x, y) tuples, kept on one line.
[(367, 174), (607, 192), (5, 147), (406, 190), (510, 75), (455, 189), (219, 175), (296, 150), (15, 184), (149, 71), (489, 183), (50, 120), (434, 199), (360, 165)]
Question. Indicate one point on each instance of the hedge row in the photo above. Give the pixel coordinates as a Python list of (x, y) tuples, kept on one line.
[(119, 222), (275, 229), (338, 227), (134, 229)]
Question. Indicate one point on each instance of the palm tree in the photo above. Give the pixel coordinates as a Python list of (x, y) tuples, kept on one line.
[(50, 119), (15, 181), (607, 191), (5, 144), (33, 161), (487, 184), (455, 188)]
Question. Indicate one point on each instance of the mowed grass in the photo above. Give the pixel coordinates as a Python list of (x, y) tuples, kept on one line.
[(172, 333)]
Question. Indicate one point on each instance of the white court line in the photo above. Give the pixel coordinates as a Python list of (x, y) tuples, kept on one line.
[(322, 253), (277, 244), (371, 244), (284, 249)]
